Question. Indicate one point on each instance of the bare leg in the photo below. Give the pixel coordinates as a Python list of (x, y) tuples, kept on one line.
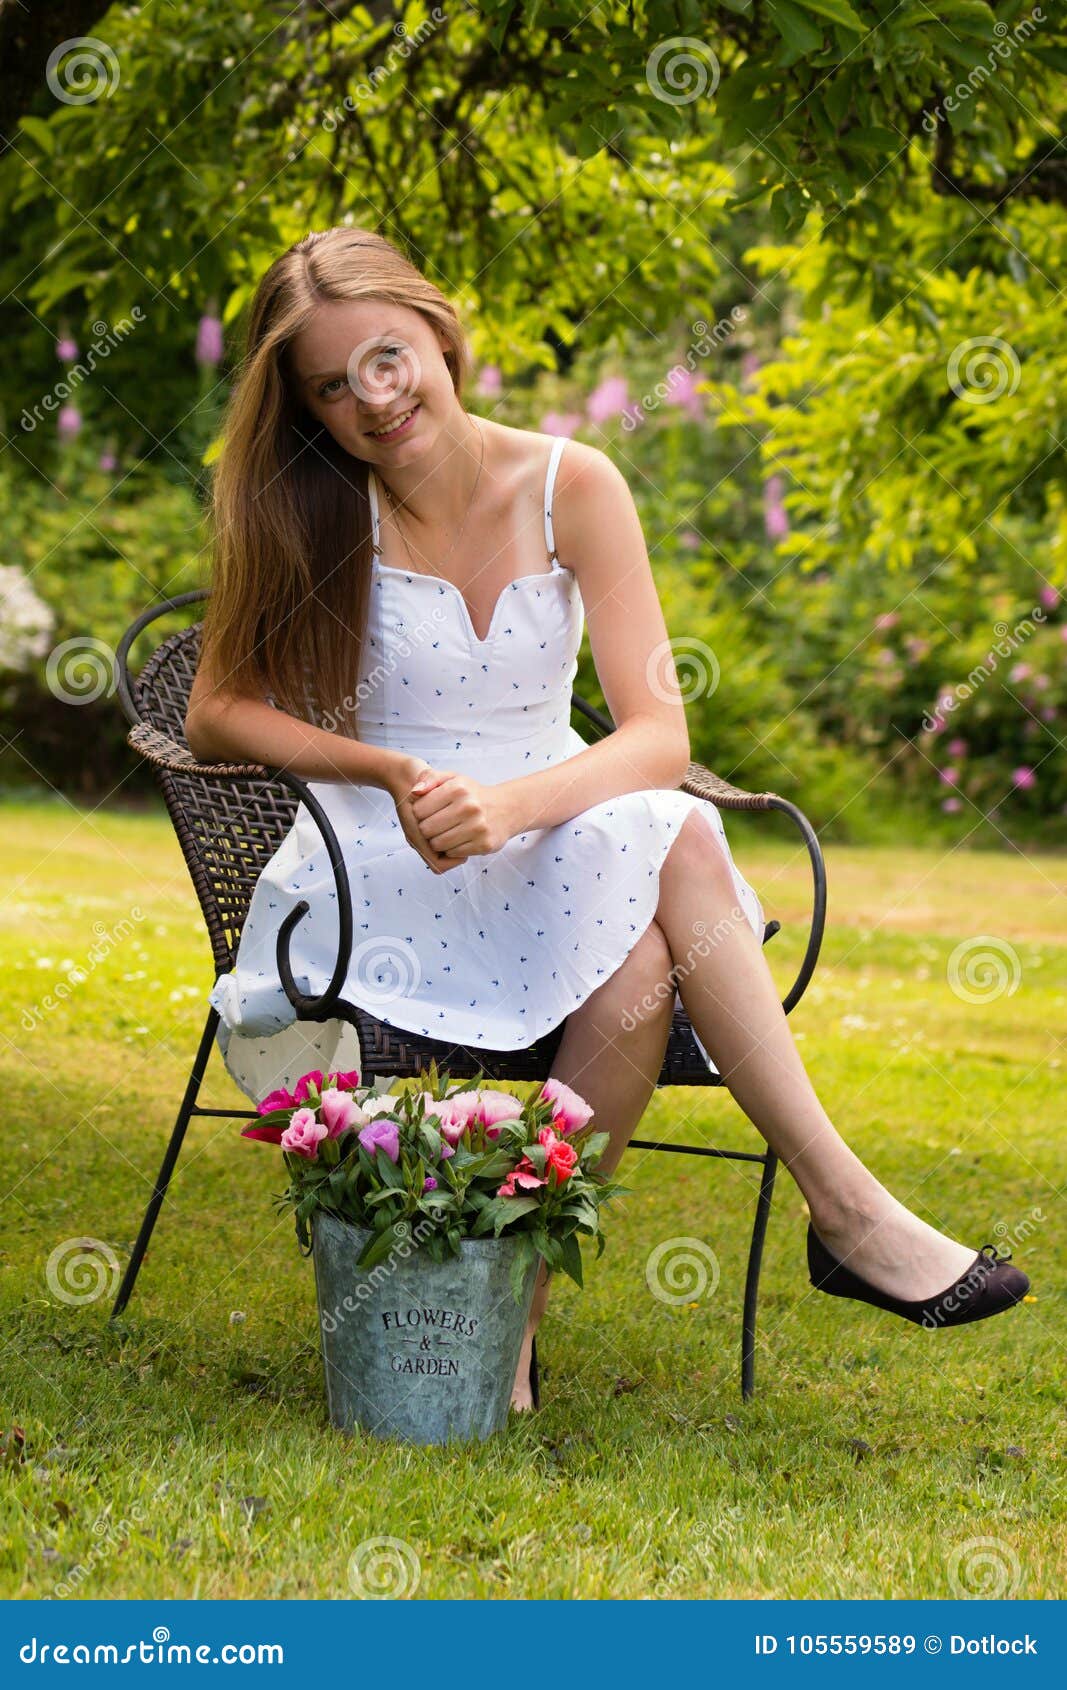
[(733, 1003), (615, 1071)]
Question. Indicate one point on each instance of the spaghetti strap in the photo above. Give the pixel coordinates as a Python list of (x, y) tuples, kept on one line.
[(550, 480)]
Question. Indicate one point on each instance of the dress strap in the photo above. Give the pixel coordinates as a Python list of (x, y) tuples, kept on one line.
[(372, 494), (550, 481)]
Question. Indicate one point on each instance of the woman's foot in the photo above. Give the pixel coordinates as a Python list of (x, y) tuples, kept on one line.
[(988, 1286), (883, 1243), (522, 1391)]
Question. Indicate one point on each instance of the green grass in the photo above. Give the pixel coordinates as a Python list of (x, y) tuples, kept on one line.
[(189, 1455)]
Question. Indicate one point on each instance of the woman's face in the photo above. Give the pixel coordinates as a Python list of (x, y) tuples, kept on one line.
[(361, 365)]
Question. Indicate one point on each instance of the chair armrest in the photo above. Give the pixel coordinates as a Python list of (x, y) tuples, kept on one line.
[(165, 753), (174, 759), (702, 783)]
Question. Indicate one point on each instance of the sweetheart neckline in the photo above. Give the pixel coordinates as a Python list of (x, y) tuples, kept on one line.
[(440, 581)]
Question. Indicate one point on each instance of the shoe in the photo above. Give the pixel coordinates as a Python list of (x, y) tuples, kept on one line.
[(535, 1377), (988, 1287)]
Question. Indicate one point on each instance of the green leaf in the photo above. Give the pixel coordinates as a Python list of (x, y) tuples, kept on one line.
[(797, 31), (838, 11), (41, 132), (570, 1258)]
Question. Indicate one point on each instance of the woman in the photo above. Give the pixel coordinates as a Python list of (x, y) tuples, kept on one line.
[(398, 601)]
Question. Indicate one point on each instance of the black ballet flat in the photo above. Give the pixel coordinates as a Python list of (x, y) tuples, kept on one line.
[(988, 1287), (535, 1376)]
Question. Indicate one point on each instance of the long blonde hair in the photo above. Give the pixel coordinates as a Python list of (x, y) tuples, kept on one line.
[(290, 512)]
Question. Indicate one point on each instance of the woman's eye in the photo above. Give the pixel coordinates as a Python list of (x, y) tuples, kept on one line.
[(327, 389)]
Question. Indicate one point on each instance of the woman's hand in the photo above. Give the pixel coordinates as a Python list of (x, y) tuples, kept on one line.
[(458, 817), (400, 790)]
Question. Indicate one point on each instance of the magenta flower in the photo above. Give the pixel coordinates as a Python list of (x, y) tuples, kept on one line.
[(608, 400), (68, 422), (562, 423), (1049, 597), (108, 462), (209, 341), (1048, 713), (949, 776), (300, 1090), (957, 747), (280, 1099), (489, 380), (1020, 672), (888, 619), (952, 804), (304, 1134), (381, 1135), (682, 390), (66, 349), (429, 1183), (775, 520), (1023, 777)]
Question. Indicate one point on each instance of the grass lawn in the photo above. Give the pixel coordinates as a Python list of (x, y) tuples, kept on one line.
[(189, 1455)]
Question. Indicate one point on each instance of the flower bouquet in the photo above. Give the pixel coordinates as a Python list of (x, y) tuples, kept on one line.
[(426, 1211)]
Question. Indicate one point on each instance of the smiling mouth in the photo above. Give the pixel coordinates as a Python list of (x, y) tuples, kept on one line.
[(386, 430)]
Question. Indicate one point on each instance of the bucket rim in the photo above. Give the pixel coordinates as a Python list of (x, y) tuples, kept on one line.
[(469, 1246)]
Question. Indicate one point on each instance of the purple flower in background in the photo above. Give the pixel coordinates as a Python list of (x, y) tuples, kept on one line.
[(949, 776), (951, 804), (108, 461), (957, 748), (381, 1135), (682, 390), (888, 619), (1023, 777), (1048, 713), (489, 380), (68, 422), (608, 400), (1049, 597), (561, 423), (209, 341), (690, 539), (1020, 672), (66, 349), (750, 364), (775, 521), (429, 1183)]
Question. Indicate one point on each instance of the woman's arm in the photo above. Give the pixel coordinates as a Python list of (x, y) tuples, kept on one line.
[(221, 725), (598, 532)]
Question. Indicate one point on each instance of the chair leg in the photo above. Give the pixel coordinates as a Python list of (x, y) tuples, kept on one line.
[(163, 1178), (755, 1258)]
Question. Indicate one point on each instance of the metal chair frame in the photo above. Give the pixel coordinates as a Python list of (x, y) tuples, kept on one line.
[(225, 850)]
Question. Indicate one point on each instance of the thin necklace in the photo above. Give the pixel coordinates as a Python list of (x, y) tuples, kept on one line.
[(395, 509)]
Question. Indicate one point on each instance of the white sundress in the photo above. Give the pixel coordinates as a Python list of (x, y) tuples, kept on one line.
[(500, 949)]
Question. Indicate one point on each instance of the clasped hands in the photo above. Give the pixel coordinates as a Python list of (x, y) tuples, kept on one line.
[(449, 817)]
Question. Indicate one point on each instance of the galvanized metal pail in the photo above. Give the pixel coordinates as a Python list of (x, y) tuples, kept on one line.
[(416, 1349)]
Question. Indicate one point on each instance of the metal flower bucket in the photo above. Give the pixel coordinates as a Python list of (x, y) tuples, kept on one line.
[(416, 1349)]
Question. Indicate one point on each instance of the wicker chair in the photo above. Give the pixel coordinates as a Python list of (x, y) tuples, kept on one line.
[(230, 819)]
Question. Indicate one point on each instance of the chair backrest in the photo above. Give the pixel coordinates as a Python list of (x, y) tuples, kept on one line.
[(228, 830)]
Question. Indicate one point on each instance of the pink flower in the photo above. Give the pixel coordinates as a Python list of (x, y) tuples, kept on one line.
[(682, 390), (957, 747), (888, 619), (608, 400), (1048, 713), (303, 1134), (69, 421), (489, 379), (453, 1114), (524, 1177), (304, 1083), (1049, 597), (561, 1157), (209, 341), (1023, 777), (690, 539), (107, 462), (570, 1112), (269, 1135), (775, 520), (340, 1111), (276, 1100), (347, 1081), (952, 804), (494, 1107), (381, 1135), (562, 423), (1019, 672), (949, 776), (66, 349), (429, 1183)]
